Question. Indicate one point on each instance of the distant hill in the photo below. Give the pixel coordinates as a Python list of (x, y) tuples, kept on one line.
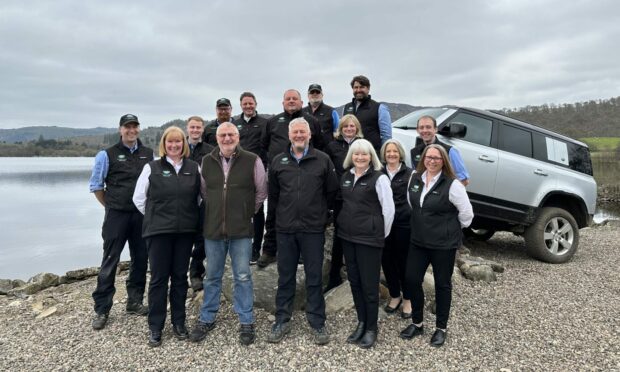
[(26, 134)]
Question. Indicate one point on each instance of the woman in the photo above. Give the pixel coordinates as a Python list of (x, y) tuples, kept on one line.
[(349, 130), (364, 222), (167, 193), (394, 258), (440, 209)]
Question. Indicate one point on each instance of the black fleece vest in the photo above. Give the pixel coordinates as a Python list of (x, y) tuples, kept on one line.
[(172, 199), (361, 218), (368, 115), (124, 170)]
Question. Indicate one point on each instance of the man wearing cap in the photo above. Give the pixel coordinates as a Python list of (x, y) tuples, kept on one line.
[(326, 115), (372, 115), (113, 181), (275, 140), (197, 149), (223, 112), (250, 126)]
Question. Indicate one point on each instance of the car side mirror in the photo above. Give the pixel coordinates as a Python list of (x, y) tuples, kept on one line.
[(456, 130)]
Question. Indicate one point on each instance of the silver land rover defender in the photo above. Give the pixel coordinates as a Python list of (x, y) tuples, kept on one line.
[(523, 178)]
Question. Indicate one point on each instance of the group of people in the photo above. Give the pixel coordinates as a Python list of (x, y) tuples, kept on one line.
[(207, 191)]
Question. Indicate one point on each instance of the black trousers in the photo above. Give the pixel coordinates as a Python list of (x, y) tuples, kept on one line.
[(443, 266), (169, 258), (363, 269), (310, 246), (259, 229), (270, 245), (336, 263), (394, 261), (120, 227), (197, 266)]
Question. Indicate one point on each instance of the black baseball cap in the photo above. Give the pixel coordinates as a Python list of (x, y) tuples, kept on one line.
[(127, 119), (315, 87), (222, 102)]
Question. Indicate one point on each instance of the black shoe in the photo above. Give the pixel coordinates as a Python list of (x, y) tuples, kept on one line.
[(247, 334), (368, 340), (411, 331), (405, 315), (196, 283), (137, 309), (265, 259), (278, 331), (255, 257), (99, 321), (321, 336), (155, 338), (390, 310), (180, 331), (355, 337), (439, 337), (200, 330)]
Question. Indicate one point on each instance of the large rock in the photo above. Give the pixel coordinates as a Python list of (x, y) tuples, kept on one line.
[(339, 298), (479, 272), (45, 280), (5, 286), (25, 290), (82, 273), (467, 260)]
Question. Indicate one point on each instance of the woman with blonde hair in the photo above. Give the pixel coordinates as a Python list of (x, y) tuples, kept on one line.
[(364, 222), (168, 194)]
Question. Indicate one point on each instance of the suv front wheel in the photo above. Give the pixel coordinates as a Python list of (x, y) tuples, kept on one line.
[(554, 236)]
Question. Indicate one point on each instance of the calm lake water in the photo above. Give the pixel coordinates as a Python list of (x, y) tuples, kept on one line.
[(52, 223)]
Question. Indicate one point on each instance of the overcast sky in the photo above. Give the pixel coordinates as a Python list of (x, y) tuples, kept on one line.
[(85, 63)]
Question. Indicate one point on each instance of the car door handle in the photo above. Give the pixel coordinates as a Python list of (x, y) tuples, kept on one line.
[(486, 159), (540, 172)]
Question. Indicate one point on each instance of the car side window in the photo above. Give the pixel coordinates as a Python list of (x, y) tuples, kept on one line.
[(515, 140), (479, 130)]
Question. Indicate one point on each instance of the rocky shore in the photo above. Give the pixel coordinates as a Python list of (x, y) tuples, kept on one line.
[(531, 316)]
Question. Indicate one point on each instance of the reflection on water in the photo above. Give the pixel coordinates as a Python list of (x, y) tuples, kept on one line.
[(50, 220)]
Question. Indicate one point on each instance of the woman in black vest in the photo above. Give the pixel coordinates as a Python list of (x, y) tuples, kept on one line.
[(440, 209), (168, 192), (394, 258), (364, 222), (349, 130)]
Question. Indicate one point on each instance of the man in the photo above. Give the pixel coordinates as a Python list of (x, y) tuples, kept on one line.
[(113, 181), (302, 186), (373, 116), (427, 132), (275, 139), (235, 188), (223, 112), (198, 149), (250, 127), (326, 115)]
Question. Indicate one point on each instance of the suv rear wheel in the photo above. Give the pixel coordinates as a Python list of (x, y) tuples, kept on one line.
[(554, 237)]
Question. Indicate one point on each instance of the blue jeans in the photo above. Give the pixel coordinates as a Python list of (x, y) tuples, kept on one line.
[(240, 251)]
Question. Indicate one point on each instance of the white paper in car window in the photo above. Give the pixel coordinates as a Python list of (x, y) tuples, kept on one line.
[(557, 151)]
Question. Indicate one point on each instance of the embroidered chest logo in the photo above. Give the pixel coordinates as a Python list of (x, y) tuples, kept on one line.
[(415, 188), (417, 157), (346, 183), (121, 157), (166, 173), (284, 160)]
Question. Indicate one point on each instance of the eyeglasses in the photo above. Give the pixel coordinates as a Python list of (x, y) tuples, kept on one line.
[(433, 158)]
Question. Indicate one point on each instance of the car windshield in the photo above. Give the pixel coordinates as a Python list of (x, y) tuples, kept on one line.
[(410, 121)]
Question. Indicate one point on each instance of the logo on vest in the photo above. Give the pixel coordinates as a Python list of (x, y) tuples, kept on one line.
[(281, 119), (417, 157), (284, 160), (415, 188), (166, 173), (347, 183), (350, 109), (121, 157)]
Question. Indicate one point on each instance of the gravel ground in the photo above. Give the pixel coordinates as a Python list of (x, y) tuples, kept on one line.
[(536, 316)]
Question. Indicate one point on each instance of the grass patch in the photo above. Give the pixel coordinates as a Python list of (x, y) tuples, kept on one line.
[(602, 143)]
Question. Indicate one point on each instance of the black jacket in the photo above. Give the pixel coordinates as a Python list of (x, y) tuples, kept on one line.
[(275, 136), (199, 151), (417, 151), (250, 134), (323, 114), (300, 194)]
